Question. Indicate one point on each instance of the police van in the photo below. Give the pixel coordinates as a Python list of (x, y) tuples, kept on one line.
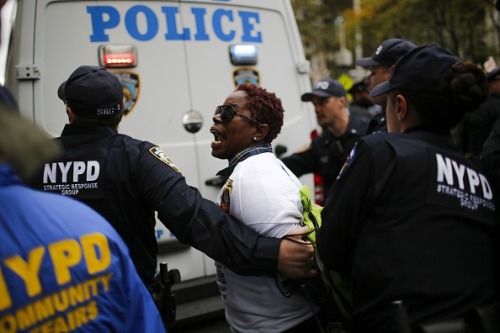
[(176, 60)]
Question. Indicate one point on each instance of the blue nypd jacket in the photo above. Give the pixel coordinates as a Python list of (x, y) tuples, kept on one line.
[(64, 269)]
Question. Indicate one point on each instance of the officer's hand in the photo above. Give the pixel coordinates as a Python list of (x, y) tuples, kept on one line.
[(296, 255)]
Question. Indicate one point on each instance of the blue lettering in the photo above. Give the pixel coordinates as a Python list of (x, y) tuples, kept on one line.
[(99, 24), (199, 14), (172, 33), (131, 23), (142, 23), (248, 27), (217, 24)]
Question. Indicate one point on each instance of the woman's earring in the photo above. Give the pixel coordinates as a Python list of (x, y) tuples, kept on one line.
[(254, 139)]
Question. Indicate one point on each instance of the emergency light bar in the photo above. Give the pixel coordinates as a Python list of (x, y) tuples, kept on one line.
[(117, 56), (243, 54)]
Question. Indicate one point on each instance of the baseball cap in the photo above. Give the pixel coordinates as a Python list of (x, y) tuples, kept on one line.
[(490, 76), (418, 70), (325, 88), (387, 53), (92, 92)]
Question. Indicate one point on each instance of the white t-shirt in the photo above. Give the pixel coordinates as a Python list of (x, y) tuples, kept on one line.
[(263, 194)]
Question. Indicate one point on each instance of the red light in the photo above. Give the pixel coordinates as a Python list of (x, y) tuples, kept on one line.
[(118, 59), (118, 55)]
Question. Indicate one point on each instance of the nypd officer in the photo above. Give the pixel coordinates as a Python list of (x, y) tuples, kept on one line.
[(410, 220), (62, 266), (128, 180), (380, 65), (339, 132)]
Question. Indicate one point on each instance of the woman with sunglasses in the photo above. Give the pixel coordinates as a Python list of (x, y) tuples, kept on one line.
[(263, 193)]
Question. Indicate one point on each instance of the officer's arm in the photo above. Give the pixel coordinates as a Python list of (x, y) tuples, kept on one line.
[(204, 225), (303, 162)]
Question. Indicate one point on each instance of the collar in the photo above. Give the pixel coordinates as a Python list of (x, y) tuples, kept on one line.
[(437, 130), (88, 129), (243, 155), (432, 133), (8, 176)]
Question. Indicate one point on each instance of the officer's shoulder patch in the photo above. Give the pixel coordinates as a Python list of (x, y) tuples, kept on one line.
[(159, 154)]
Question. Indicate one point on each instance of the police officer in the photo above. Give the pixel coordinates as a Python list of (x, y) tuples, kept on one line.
[(410, 220), (339, 132), (63, 267), (128, 180), (477, 125), (380, 65)]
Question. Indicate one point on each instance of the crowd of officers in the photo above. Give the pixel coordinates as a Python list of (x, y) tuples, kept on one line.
[(409, 219)]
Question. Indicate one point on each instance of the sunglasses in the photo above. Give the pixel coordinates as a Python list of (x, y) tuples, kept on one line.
[(227, 113)]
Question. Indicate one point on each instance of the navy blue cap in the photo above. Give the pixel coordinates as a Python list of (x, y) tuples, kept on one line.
[(387, 53), (418, 70), (92, 92), (325, 88)]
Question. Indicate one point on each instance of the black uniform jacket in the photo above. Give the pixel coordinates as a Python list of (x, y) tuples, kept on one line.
[(326, 154), (410, 219), (478, 125), (127, 181)]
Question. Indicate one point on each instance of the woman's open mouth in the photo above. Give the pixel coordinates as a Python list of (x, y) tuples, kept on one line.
[(218, 137)]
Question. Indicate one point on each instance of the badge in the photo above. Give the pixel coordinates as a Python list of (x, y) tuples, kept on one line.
[(131, 88), (159, 154), (246, 75), (225, 200)]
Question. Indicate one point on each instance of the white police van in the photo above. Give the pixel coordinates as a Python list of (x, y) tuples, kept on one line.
[(177, 60)]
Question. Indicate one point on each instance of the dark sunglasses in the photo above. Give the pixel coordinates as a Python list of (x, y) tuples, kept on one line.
[(227, 113)]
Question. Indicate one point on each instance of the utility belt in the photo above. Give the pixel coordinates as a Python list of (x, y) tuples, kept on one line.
[(484, 319), (161, 292)]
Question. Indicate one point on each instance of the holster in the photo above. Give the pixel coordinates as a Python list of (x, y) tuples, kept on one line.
[(161, 292)]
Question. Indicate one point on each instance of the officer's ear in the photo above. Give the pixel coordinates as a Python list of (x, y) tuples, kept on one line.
[(401, 108), (71, 115)]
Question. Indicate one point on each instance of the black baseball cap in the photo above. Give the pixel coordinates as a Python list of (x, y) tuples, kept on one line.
[(418, 70), (387, 53), (325, 88), (359, 86), (92, 92)]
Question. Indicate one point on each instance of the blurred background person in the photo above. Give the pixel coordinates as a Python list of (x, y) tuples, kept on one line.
[(476, 126), (360, 99)]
